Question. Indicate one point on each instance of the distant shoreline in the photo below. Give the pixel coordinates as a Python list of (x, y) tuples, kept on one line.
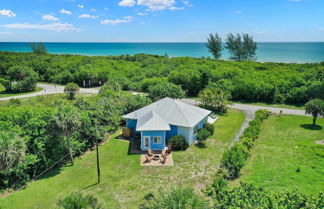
[(280, 52)]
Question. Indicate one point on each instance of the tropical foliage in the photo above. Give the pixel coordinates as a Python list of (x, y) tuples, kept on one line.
[(214, 45), (177, 198), (51, 129), (71, 89), (77, 200), (241, 47), (254, 82), (19, 78), (178, 143), (250, 196), (316, 108), (234, 158)]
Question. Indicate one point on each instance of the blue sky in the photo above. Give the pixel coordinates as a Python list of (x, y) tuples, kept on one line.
[(159, 20)]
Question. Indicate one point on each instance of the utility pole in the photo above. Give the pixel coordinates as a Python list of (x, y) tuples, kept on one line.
[(98, 165)]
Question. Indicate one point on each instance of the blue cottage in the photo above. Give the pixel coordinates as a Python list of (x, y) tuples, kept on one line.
[(159, 121)]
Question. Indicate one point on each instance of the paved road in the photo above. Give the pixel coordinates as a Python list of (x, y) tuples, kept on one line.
[(49, 89)]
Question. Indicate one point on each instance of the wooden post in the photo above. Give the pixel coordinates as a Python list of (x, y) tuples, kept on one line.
[(98, 165)]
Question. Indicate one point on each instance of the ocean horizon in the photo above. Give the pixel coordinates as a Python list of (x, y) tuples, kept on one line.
[(287, 52)]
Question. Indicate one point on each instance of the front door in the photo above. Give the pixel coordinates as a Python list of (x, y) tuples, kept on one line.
[(147, 142)]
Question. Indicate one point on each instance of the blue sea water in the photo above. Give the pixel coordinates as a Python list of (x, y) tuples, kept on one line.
[(298, 52)]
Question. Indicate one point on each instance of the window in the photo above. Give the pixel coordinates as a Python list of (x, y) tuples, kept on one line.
[(196, 128), (157, 140)]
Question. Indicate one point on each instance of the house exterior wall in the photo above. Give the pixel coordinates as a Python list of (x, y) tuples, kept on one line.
[(152, 134), (131, 124), (172, 132)]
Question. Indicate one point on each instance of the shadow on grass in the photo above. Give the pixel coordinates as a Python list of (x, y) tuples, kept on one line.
[(201, 146), (311, 127), (94, 184)]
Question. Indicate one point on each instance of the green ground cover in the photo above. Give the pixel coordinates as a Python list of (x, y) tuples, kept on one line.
[(286, 157), (124, 182), (6, 94), (301, 107)]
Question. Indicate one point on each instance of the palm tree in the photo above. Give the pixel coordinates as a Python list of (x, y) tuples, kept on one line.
[(12, 151), (316, 108), (77, 200), (67, 118), (178, 198)]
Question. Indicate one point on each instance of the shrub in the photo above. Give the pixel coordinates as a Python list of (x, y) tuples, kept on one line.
[(180, 198), (233, 160), (77, 200), (210, 128), (71, 89), (165, 89), (250, 196), (247, 142), (178, 143), (262, 114), (202, 135)]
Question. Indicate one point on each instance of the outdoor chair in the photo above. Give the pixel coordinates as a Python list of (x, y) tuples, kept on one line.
[(148, 159), (163, 159), (150, 153)]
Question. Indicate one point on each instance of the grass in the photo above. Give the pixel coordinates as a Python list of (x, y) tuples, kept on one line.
[(286, 157), (123, 181), (272, 105), (6, 94)]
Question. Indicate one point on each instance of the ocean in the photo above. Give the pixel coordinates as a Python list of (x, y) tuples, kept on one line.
[(297, 52)]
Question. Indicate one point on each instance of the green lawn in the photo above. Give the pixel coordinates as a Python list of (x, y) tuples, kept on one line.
[(124, 181), (285, 144), (272, 105), (5, 94)]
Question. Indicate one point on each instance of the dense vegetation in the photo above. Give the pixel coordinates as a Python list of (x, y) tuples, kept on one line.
[(36, 134), (248, 81), (250, 196), (234, 159)]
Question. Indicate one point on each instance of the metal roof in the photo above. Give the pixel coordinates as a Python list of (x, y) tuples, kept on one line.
[(167, 111)]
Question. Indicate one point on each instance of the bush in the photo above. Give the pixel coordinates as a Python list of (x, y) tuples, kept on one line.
[(180, 198), (77, 200), (165, 89), (202, 135), (71, 89), (233, 160), (210, 128), (250, 196), (247, 142), (178, 143)]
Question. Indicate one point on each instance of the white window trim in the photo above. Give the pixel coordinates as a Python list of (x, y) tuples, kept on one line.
[(160, 139), (149, 142)]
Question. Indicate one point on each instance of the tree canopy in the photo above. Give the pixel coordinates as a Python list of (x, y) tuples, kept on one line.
[(315, 107), (241, 47), (38, 48), (214, 45), (165, 89)]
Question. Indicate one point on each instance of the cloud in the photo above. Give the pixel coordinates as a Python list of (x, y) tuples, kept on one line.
[(127, 3), (93, 10), (176, 8), (87, 16), (156, 5), (7, 13), (50, 18), (81, 6), (106, 8), (141, 14), (126, 19), (5, 33), (238, 12), (320, 29), (66, 12), (58, 27)]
